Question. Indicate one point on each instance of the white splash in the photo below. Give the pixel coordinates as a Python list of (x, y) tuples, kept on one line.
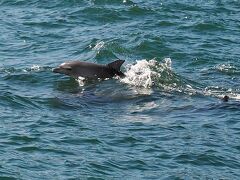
[(35, 68), (99, 46), (225, 67), (81, 81), (237, 97), (139, 74), (142, 74)]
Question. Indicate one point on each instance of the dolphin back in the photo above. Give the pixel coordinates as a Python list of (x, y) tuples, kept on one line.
[(116, 65)]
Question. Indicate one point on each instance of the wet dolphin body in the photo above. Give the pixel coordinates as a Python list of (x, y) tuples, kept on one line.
[(90, 70)]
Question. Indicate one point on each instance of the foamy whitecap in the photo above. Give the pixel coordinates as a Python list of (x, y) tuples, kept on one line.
[(144, 73), (237, 97)]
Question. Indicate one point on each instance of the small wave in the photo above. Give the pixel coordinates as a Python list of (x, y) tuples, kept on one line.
[(8, 70), (111, 2), (227, 68), (107, 49), (144, 107), (33, 68), (218, 92), (45, 4), (209, 26), (18, 101), (99, 46)]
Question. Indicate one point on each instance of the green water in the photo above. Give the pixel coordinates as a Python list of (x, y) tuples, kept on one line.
[(165, 120)]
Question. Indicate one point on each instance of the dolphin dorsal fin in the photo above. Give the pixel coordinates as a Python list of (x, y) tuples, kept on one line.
[(116, 64)]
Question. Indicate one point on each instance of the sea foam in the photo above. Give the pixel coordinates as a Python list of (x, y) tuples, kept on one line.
[(144, 73)]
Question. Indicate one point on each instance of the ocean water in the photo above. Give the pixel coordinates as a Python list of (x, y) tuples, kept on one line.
[(164, 120)]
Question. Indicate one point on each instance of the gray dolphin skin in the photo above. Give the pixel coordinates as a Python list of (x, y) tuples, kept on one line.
[(90, 70)]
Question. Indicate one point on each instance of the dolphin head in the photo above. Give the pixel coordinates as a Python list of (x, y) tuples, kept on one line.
[(67, 68)]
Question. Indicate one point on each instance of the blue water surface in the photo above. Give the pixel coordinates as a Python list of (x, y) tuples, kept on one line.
[(176, 127)]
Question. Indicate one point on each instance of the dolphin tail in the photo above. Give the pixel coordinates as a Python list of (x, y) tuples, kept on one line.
[(116, 65)]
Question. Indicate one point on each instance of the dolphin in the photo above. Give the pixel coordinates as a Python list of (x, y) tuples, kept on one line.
[(89, 70)]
